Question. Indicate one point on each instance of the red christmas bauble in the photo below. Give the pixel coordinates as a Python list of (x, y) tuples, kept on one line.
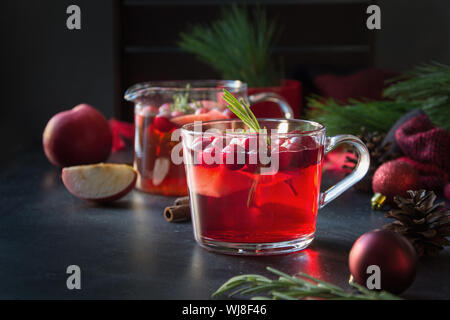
[(392, 253), (394, 178)]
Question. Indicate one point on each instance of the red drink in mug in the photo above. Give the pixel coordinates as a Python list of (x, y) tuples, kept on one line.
[(243, 205)]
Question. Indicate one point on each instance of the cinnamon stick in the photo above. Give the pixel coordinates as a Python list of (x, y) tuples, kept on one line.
[(178, 213), (182, 201)]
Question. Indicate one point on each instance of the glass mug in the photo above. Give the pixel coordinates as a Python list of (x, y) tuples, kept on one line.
[(161, 108), (247, 207)]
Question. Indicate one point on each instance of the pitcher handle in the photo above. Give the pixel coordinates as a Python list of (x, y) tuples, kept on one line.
[(361, 168), (273, 97)]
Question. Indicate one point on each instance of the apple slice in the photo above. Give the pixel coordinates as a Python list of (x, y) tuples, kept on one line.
[(189, 118), (99, 182)]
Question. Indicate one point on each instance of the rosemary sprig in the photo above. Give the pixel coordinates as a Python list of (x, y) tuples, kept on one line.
[(241, 110), (181, 101), (301, 286)]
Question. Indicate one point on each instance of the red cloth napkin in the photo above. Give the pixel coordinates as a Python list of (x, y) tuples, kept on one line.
[(364, 84), (427, 148), (120, 130)]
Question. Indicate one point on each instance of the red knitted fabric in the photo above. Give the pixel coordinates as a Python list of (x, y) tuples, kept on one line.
[(428, 150)]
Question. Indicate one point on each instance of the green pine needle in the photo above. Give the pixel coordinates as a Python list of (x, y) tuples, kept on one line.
[(426, 87), (429, 85), (373, 115), (237, 46), (301, 286)]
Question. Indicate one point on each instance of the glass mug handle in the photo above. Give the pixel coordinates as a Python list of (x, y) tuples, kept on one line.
[(273, 97), (361, 168)]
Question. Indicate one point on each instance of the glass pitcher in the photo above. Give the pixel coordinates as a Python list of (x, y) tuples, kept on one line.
[(161, 108)]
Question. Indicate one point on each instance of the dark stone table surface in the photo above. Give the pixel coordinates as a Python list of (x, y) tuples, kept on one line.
[(128, 251)]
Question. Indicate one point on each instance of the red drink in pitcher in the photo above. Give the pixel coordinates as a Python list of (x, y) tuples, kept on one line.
[(153, 148), (163, 106)]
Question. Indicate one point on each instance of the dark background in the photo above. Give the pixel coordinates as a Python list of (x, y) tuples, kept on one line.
[(46, 68)]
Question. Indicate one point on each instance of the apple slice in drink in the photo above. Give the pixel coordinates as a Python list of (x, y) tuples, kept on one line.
[(219, 181), (212, 115), (99, 182)]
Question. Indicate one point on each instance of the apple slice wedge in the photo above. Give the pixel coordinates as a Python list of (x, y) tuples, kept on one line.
[(99, 182)]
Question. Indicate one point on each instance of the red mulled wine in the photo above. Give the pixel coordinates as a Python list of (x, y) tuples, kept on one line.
[(240, 203)]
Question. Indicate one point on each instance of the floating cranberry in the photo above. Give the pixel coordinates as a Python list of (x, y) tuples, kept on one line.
[(305, 141), (206, 158), (201, 143), (284, 157), (228, 113), (163, 123), (233, 157), (166, 107), (305, 151), (177, 113), (251, 143), (202, 110)]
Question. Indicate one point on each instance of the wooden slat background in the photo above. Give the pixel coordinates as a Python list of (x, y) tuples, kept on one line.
[(322, 33)]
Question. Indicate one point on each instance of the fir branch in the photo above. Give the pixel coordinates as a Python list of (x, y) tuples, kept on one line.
[(349, 118), (301, 286), (237, 46), (426, 87), (428, 84)]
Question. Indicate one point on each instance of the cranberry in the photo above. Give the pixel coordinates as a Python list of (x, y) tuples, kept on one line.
[(163, 123), (202, 110), (284, 157), (294, 146), (306, 142), (201, 143), (218, 142), (236, 160), (251, 143), (279, 141), (177, 114), (228, 113), (148, 111), (312, 156), (305, 151), (206, 158), (166, 107)]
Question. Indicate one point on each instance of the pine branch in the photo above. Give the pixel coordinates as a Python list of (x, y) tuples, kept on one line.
[(373, 115), (426, 87), (236, 46), (301, 286), (428, 84)]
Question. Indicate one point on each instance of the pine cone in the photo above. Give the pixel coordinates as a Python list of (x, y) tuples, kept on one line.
[(374, 143), (425, 224)]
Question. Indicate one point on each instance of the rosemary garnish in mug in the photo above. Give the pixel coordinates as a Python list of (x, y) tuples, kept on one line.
[(298, 287), (241, 110)]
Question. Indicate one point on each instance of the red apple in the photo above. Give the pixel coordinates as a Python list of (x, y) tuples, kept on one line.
[(78, 136), (99, 182)]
